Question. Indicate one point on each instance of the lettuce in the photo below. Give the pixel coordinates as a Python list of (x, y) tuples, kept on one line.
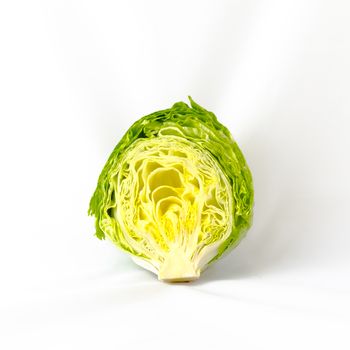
[(176, 192)]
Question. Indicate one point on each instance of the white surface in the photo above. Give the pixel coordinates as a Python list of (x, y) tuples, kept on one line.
[(74, 75)]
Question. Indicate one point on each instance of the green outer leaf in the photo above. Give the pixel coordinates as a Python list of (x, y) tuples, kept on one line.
[(201, 127)]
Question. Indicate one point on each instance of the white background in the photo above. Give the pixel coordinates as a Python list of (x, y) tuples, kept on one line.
[(74, 75)]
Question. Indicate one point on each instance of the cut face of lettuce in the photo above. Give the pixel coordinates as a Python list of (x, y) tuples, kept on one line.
[(175, 193)]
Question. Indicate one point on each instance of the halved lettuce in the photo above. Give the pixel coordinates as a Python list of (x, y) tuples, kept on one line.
[(176, 192)]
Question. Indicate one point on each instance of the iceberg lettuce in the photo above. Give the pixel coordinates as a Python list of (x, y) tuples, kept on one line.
[(176, 192)]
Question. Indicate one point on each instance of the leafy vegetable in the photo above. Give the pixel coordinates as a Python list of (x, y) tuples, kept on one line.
[(175, 193)]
